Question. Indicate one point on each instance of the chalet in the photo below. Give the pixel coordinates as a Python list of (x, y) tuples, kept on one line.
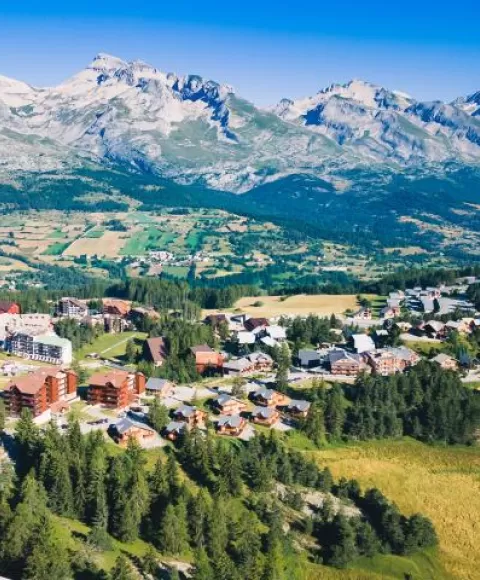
[(206, 359), (434, 329), (174, 429), (261, 361), (127, 429), (115, 389), (308, 358), (446, 362), (363, 314), (161, 388), (155, 350), (191, 416), (116, 307), (256, 325), (9, 307), (298, 408), (140, 313), (72, 308), (39, 391), (389, 312), (237, 367), (459, 326), (265, 415), (228, 405), (268, 397), (344, 363), (232, 425)]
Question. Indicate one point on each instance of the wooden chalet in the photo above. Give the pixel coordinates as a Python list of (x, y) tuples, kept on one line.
[(232, 425), (265, 415)]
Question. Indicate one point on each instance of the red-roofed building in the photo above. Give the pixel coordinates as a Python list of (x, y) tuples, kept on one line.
[(39, 391), (115, 389), (207, 359), (116, 307), (9, 307)]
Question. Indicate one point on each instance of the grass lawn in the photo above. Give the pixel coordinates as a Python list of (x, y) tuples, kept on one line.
[(56, 234), (176, 271), (94, 234), (110, 345), (441, 482), (56, 249), (425, 347)]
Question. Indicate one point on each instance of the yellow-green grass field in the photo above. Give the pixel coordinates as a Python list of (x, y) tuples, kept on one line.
[(300, 304), (110, 345), (441, 482)]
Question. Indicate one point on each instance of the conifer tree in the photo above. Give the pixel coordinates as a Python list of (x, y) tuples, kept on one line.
[(122, 570), (48, 557)]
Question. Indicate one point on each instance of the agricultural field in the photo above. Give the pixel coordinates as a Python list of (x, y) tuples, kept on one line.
[(441, 482), (218, 243)]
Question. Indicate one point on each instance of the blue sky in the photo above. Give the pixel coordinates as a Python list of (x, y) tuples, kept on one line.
[(267, 50)]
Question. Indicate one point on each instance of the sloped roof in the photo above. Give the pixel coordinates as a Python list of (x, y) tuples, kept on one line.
[(231, 421), (114, 378), (155, 384), (125, 424), (157, 348), (264, 412)]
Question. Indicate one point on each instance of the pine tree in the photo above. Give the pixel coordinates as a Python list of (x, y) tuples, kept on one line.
[(341, 548), (29, 514), (27, 439), (130, 351), (150, 562), (203, 570), (172, 534), (158, 415), (335, 413), (199, 513), (314, 425), (122, 570), (48, 557), (283, 367)]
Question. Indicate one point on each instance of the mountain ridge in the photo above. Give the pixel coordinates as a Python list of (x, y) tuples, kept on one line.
[(200, 131)]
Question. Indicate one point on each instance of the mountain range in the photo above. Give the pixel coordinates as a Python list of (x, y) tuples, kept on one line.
[(193, 130), (355, 157)]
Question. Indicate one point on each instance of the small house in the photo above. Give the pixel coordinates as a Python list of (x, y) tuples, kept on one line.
[(192, 416), (268, 398), (127, 429), (232, 425), (228, 405), (265, 415), (161, 388), (298, 408)]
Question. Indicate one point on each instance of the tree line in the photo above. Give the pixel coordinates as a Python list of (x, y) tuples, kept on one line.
[(232, 523), (426, 403)]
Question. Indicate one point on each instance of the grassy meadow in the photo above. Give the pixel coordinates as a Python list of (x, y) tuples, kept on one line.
[(441, 482)]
